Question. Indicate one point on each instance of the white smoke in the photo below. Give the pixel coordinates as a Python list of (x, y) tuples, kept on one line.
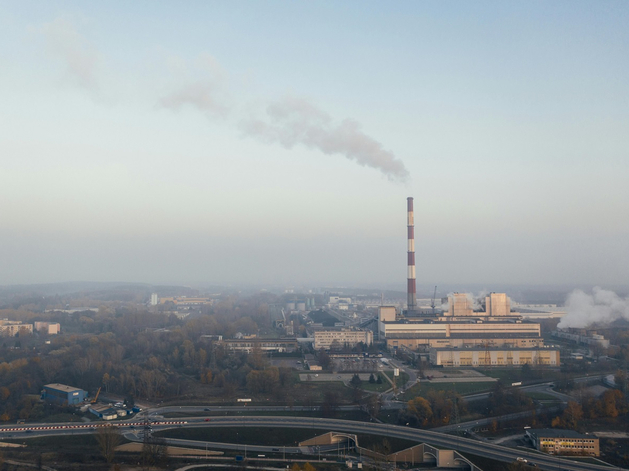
[(602, 306), (201, 95), (79, 57), (206, 93), (293, 121)]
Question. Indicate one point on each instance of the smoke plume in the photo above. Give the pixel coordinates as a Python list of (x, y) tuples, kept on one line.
[(200, 95), (78, 55), (295, 121), (205, 93), (602, 306)]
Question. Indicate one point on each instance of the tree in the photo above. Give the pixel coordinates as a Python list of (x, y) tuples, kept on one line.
[(154, 452), (309, 467), (420, 409), (572, 414), (373, 404), (330, 403), (355, 381), (372, 379), (324, 359), (108, 438)]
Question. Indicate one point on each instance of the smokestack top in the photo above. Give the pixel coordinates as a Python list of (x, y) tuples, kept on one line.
[(409, 203)]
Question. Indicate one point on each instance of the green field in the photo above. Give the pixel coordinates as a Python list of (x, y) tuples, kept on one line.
[(540, 396), (462, 388)]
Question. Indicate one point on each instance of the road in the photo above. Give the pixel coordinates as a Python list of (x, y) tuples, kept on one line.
[(434, 438)]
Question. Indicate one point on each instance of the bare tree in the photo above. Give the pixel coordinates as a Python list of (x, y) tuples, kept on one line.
[(108, 438), (154, 453)]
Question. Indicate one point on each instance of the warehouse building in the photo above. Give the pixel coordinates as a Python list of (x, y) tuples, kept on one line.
[(564, 442), (476, 356), (63, 395)]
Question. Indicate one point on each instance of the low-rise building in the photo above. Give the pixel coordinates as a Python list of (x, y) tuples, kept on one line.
[(63, 395), (12, 328), (478, 356), (266, 345), (564, 442), (104, 411), (50, 328), (329, 338)]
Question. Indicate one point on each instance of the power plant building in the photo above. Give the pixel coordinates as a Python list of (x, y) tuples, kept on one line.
[(462, 325), (474, 332)]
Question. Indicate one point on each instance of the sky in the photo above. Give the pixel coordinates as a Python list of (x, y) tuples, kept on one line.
[(276, 142)]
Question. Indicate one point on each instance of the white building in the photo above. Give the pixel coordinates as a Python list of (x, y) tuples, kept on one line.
[(341, 337)]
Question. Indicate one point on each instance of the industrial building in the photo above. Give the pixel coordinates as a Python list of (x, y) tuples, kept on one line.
[(476, 356), (582, 336), (564, 442), (475, 325), (184, 301), (491, 325), (63, 395), (331, 338), (265, 345)]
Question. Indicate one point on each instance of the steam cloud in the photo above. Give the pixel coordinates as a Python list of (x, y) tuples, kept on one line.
[(602, 306), (294, 121)]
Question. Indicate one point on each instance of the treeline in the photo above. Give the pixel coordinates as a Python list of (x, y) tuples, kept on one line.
[(435, 409), (138, 354), (609, 405)]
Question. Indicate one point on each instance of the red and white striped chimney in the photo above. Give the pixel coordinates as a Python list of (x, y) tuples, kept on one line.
[(411, 290)]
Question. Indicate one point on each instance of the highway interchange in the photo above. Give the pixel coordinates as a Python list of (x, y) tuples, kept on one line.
[(437, 437)]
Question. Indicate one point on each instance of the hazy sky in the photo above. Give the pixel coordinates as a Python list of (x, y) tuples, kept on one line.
[(277, 141)]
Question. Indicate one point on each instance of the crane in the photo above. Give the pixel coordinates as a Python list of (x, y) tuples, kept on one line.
[(93, 401), (432, 301)]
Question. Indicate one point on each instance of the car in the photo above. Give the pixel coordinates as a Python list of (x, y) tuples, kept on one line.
[(207, 409), (522, 460), (207, 420)]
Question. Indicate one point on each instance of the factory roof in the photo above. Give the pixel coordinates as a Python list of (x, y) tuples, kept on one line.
[(62, 387), (480, 348), (558, 433)]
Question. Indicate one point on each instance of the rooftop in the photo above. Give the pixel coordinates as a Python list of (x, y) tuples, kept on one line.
[(62, 387), (558, 433)]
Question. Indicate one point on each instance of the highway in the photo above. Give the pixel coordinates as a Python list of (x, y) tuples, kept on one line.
[(438, 439)]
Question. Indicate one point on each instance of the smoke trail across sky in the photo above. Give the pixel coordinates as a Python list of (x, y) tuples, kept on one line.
[(293, 121), (602, 306)]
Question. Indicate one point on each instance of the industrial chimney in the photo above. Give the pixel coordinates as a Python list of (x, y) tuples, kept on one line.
[(411, 290)]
